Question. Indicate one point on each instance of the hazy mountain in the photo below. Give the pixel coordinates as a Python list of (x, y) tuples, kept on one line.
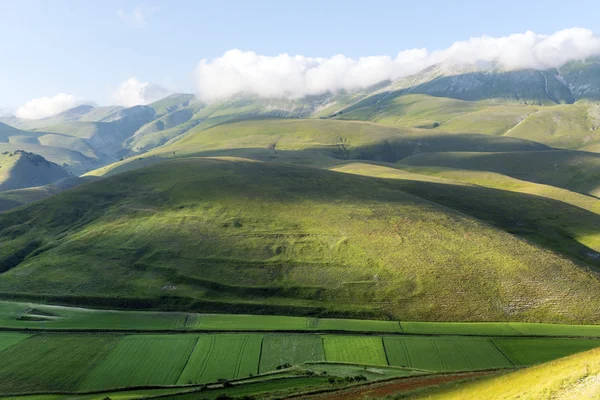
[(21, 169)]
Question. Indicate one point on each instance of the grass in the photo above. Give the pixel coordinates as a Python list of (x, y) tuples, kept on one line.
[(45, 363), (313, 142), (246, 322), (354, 349), (458, 328), (247, 237), (31, 316), (571, 170), (10, 339), (79, 363), (142, 360), (444, 353), (535, 351), (569, 378), (222, 357), (552, 218), (280, 350)]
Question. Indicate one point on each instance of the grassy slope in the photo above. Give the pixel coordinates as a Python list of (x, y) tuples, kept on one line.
[(563, 126), (568, 126), (21, 170), (573, 170), (14, 198), (551, 217), (570, 378), (317, 142), (31, 316), (285, 239)]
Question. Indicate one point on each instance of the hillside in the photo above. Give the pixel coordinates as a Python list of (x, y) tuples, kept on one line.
[(570, 378), (573, 170), (20, 169), (554, 218), (555, 107), (256, 237), (17, 197), (316, 142)]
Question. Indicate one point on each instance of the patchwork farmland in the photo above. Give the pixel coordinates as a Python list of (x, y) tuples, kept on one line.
[(68, 362)]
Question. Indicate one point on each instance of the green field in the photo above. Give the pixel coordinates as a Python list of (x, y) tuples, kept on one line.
[(44, 363), (355, 350), (32, 317), (142, 360), (444, 353), (225, 356), (9, 339), (279, 350), (71, 363), (535, 351)]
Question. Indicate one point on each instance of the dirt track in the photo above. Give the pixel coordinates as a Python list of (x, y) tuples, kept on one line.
[(382, 389)]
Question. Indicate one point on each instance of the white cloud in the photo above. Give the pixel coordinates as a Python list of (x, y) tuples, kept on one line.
[(297, 76), (133, 92), (48, 106), (138, 16)]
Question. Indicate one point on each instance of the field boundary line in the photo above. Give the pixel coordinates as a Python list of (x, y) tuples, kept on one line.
[(400, 326), (387, 359), (262, 341), (188, 359), (501, 352), (127, 332)]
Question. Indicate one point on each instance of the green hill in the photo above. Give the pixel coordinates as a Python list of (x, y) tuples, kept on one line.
[(573, 170), (570, 378), (17, 197), (20, 169), (317, 142), (242, 236), (552, 218)]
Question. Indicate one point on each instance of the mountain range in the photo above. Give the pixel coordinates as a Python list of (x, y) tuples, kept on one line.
[(463, 99)]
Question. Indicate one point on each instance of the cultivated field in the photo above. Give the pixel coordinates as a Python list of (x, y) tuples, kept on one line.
[(69, 362)]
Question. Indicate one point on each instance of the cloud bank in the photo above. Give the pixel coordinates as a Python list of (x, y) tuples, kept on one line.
[(43, 107), (297, 76), (132, 92)]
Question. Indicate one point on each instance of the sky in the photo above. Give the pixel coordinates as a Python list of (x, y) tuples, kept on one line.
[(59, 53)]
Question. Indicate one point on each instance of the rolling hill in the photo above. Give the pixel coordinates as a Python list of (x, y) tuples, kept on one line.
[(246, 236), (316, 142), (20, 169), (573, 170), (555, 107)]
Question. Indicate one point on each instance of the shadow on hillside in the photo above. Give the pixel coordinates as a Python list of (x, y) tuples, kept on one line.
[(573, 170), (549, 223)]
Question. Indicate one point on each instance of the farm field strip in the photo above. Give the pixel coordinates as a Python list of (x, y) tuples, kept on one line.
[(8, 339), (27, 316), (140, 360), (222, 356), (529, 351), (77, 362), (52, 362), (281, 349), (444, 354), (355, 349)]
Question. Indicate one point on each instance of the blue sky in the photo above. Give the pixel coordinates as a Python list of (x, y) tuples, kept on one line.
[(88, 48)]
